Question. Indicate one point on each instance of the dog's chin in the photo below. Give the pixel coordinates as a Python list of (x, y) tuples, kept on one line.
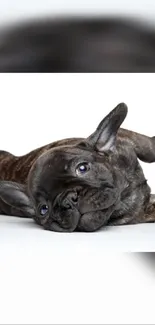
[(55, 226), (63, 223)]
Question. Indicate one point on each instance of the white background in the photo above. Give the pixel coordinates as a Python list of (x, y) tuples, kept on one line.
[(47, 277), (12, 10)]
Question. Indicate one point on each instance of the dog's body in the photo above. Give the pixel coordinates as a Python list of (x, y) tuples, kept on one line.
[(108, 188), (85, 44)]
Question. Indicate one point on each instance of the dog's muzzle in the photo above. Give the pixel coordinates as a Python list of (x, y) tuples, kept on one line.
[(65, 214), (68, 207), (70, 201)]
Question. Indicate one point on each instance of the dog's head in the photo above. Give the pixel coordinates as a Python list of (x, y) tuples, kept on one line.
[(69, 181)]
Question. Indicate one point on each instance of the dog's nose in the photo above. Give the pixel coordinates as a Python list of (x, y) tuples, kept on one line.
[(70, 200)]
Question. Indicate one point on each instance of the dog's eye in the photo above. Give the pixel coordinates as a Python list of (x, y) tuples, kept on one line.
[(44, 209), (82, 168)]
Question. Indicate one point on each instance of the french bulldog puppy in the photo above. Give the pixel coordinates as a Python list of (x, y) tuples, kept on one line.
[(82, 184), (78, 44)]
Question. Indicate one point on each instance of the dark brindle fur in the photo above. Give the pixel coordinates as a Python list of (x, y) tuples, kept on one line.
[(104, 44), (82, 184)]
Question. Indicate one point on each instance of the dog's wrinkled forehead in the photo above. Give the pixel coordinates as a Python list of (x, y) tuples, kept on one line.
[(59, 159), (57, 164)]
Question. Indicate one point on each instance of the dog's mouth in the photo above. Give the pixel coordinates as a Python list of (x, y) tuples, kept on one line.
[(66, 213), (68, 208)]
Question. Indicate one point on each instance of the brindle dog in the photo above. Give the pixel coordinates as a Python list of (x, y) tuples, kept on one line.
[(82, 184)]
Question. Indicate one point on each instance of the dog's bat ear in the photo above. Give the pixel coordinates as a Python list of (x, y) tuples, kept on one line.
[(103, 139), (15, 195)]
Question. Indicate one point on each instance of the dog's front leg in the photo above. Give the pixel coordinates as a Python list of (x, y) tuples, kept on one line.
[(149, 215), (145, 216)]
